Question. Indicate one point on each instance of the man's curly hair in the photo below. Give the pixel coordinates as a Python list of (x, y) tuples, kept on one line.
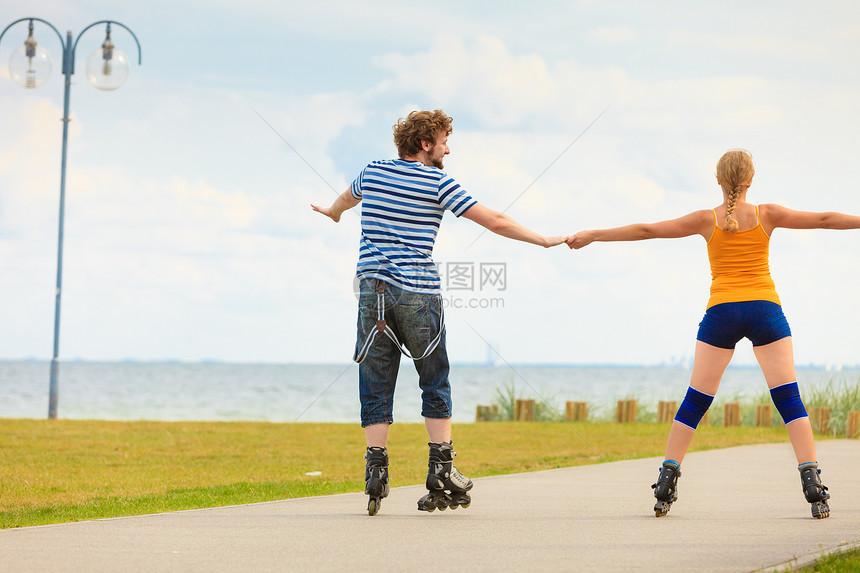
[(420, 126)]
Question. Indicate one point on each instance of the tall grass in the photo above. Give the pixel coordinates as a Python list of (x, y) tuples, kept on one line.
[(505, 405), (840, 397)]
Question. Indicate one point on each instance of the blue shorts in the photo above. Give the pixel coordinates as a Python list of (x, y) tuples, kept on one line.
[(725, 324)]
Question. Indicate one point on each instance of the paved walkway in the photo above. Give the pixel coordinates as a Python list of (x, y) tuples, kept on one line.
[(740, 509)]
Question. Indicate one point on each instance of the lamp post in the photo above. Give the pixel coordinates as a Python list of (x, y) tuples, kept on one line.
[(107, 69)]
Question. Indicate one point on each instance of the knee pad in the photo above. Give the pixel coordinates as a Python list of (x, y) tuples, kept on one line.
[(787, 400), (693, 407)]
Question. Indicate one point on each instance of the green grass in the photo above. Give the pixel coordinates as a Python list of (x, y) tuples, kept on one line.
[(844, 562), (62, 471)]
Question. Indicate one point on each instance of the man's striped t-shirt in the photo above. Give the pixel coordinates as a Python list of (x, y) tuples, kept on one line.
[(402, 203)]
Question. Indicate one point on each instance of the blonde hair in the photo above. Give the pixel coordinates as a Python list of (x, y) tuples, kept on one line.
[(735, 171), (420, 126)]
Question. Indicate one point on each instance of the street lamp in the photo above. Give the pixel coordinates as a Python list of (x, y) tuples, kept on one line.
[(107, 69)]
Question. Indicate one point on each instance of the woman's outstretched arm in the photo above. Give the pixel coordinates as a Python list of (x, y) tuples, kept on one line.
[(773, 216), (696, 223)]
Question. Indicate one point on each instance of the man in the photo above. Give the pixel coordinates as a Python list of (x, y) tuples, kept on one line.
[(399, 294)]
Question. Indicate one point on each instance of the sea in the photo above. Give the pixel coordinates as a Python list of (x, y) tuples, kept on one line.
[(181, 391)]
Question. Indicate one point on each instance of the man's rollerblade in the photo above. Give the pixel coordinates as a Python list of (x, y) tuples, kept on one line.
[(666, 488), (376, 478), (447, 487), (815, 492)]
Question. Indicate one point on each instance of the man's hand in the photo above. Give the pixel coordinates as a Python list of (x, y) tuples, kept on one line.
[(579, 240), (343, 202), (327, 212)]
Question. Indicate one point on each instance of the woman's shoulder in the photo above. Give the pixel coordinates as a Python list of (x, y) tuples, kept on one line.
[(707, 214), (769, 211)]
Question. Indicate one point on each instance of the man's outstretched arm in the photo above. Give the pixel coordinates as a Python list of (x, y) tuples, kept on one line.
[(506, 226), (343, 202)]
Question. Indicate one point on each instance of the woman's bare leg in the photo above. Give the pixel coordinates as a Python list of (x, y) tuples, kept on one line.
[(777, 364), (709, 364)]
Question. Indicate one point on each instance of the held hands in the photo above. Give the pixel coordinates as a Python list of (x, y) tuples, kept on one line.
[(579, 240), (553, 241)]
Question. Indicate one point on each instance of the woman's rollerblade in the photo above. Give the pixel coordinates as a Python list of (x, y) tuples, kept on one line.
[(376, 478), (447, 487), (814, 491), (666, 488)]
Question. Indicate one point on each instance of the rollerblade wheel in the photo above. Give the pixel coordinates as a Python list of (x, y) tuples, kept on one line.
[(373, 506), (427, 504), (460, 500), (433, 501), (661, 508), (820, 510)]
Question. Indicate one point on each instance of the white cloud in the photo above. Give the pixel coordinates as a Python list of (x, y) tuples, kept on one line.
[(613, 35), (454, 72)]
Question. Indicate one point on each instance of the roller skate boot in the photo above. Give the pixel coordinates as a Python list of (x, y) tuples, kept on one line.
[(814, 491), (666, 488), (376, 478), (446, 486)]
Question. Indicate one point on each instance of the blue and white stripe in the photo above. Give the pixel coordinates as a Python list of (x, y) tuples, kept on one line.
[(402, 203)]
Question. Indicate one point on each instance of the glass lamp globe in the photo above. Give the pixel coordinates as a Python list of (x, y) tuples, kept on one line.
[(30, 65), (107, 68)]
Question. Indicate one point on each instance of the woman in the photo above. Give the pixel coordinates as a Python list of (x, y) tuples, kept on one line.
[(743, 303)]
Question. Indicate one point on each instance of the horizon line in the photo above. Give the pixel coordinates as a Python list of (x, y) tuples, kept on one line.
[(682, 365)]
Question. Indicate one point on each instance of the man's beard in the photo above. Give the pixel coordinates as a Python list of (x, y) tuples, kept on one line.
[(438, 164)]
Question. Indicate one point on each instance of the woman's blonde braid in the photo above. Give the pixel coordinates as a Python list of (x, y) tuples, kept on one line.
[(731, 225)]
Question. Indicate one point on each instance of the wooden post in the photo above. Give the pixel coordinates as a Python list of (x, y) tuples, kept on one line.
[(666, 411), (525, 411), (575, 411), (732, 414), (762, 415), (486, 413), (820, 418), (625, 411), (852, 425)]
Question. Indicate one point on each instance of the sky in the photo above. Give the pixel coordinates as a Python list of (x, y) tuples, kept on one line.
[(188, 229)]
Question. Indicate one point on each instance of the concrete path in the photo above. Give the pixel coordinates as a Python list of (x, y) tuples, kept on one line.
[(740, 509)]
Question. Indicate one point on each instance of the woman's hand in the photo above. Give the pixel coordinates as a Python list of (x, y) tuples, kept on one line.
[(579, 240)]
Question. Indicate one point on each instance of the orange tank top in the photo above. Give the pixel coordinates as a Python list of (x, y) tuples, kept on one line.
[(739, 265)]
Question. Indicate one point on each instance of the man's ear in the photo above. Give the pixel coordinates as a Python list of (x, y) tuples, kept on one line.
[(426, 145)]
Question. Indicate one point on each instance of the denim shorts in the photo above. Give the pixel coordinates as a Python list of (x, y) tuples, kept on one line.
[(725, 324), (415, 319)]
